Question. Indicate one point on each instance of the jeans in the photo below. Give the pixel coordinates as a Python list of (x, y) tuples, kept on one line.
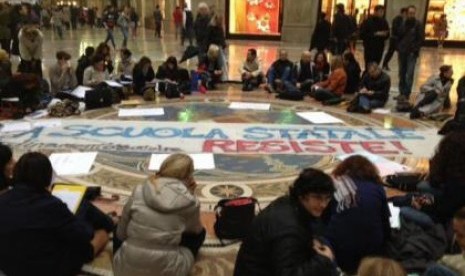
[(367, 103), (322, 95), (407, 62), (272, 77), (416, 216), (390, 52), (110, 37), (125, 32), (439, 270)]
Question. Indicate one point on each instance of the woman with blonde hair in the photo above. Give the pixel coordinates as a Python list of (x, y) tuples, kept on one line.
[(380, 267), (160, 227), (331, 90)]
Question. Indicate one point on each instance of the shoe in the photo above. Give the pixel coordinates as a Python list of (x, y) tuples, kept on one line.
[(202, 89), (415, 114)]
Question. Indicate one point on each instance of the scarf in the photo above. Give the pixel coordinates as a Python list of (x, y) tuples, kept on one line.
[(345, 194)]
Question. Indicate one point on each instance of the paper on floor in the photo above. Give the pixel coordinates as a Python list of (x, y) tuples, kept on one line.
[(202, 161), (319, 118), (135, 112), (71, 195), (76, 163), (251, 106), (113, 84), (16, 127)]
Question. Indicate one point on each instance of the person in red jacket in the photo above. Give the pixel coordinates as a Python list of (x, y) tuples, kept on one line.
[(177, 17), (331, 90)]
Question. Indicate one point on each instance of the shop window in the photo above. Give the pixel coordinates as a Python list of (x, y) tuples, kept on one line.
[(455, 11)]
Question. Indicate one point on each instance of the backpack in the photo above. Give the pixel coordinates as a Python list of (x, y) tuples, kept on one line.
[(234, 217), (405, 181)]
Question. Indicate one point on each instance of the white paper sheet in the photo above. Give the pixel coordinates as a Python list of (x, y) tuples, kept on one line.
[(126, 82), (134, 112), (113, 83), (80, 91), (251, 106), (12, 99), (47, 123), (319, 118), (37, 114), (70, 198), (16, 127), (394, 220), (76, 163), (382, 111), (385, 166), (202, 161)]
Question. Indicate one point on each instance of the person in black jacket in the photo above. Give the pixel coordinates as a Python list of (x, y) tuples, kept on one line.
[(282, 238), (279, 73), (201, 27), (374, 92), (396, 25), (7, 163), (84, 62), (39, 234), (302, 79), (174, 77), (321, 34), (141, 74), (374, 32), (342, 30), (353, 71), (411, 37)]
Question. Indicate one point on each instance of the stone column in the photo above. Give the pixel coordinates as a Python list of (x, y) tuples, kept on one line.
[(299, 19)]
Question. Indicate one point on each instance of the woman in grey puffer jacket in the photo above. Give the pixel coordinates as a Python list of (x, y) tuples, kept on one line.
[(160, 226)]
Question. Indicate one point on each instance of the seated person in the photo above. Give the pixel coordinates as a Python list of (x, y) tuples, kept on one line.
[(5, 74), (374, 92), (452, 265), (84, 62), (35, 223), (304, 76), (361, 213), (126, 65), (96, 73), (433, 93), (461, 88), (281, 240), (210, 69), (279, 73), (321, 68), (30, 49), (62, 75), (331, 90), (376, 266), (160, 227), (353, 71), (176, 79), (7, 163), (251, 71), (104, 50), (142, 74)]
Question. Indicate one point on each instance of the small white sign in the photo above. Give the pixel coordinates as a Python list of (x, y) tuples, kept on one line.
[(16, 127), (319, 118), (76, 163), (202, 161), (80, 91), (394, 220), (250, 106), (140, 112), (113, 84)]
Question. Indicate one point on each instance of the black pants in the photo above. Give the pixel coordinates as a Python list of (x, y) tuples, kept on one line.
[(157, 29), (93, 216), (373, 54), (390, 52), (193, 241)]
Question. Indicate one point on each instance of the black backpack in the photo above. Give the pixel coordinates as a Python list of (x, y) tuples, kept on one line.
[(234, 217)]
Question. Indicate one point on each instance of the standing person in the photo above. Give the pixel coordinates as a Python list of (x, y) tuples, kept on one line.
[(440, 29), (74, 16), (397, 23), (57, 18), (123, 23), (5, 32), (282, 238), (62, 75), (321, 34), (67, 17), (160, 226), (177, 18), (134, 22), (361, 213), (374, 32), (158, 16), (216, 36), (19, 17), (342, 30), (109, 21), (30, 49), (411, 37), (187, 25), (201, 25), (91, 17)]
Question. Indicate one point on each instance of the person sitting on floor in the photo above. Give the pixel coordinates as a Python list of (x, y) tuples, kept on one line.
[(251, 71), (97, 73), (376, 266), (352, 68), (175, 79), (282, 240), (30, 49), (279, 73), (104, 50), (374, 92), (452, 264), (39, 234), (126, 65), (62, 75), (302, 79), (321, 67), (84, 62), (5, 74), (361, 213), (142, 74), (331, 90), (160, 226), (433, 93), (210, 69), (7, 163)]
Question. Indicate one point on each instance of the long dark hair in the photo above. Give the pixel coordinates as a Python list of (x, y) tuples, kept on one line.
[(171, 60), (142, 62), (34, 170), (358, 167), (311, 181), (5, 157), (448, 163)]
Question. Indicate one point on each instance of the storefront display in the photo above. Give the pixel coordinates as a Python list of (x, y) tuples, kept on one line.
[(254, 17), (455, 11), (360, 9)]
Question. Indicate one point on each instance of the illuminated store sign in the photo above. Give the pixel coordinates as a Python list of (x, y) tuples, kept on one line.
[(254, 17)]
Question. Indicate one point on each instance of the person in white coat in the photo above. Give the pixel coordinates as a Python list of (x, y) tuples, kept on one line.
[(160, 228)]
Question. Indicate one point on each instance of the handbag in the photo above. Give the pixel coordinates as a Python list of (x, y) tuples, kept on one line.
[(234, 217), (406, 181)]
